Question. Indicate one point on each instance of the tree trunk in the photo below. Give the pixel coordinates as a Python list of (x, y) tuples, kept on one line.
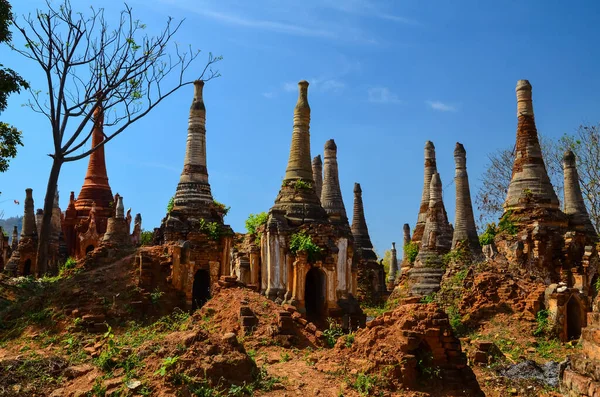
[(45, 230)]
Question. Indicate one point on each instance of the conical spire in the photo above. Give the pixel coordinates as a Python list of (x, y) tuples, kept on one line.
[(530, 185), (362, 240), (437, 234), (193, 193), (56, 220), (430, 168), (331, 197), (575, 209), (464, 220), (120, 213), (317, 170), (297, 200), (29, 229), (299, 164), (39, 215), (405, 240), (95, 185), (393, 264)]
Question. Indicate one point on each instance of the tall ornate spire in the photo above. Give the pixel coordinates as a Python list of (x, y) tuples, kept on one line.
[(464, 221), (297, 200), (530, 185), (362, 240), (427, 273), (29, 228), (317, 170), (429, 169), (299, 165), (575, 209), (193, 193), (95, 185), (331, 197)]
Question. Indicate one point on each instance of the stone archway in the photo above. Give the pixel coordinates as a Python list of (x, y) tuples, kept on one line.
[(200, 289), (574, 319), (314, 294), (89, 248), (27, 267)]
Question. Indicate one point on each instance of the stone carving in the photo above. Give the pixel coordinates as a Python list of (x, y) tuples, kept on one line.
[(371, 275), (430, 169), (317, 170), (427, 272), (331, 196), (464, 221), (574, 206)]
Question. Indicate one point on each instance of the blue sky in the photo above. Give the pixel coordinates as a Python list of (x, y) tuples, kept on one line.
[(385, 77)]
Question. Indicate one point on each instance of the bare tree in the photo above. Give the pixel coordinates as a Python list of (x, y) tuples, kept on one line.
[(87, 64), (498, 173)]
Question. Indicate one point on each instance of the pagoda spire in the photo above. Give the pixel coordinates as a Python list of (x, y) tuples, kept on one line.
[(331, 196)]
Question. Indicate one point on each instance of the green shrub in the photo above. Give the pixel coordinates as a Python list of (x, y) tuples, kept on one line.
[(506, 224), (455, 320), (221, 207), (411, 250), (300, 184), (69, 264), (212, 229), (166, 365), (428, 298), (303, 242), (541, 318), (256, 220), (156, 295), (146, 237), (170, 205), (332, 333), (365, 384), (487, 237)]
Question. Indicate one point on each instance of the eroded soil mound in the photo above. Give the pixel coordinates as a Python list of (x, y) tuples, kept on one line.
[(409, 348)]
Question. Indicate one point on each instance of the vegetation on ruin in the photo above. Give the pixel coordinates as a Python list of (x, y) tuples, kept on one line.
[(170, 204), (411, 250), (458, 255), (487, 237), (212, 229), (222, 208), (543, 323), (506, 224), (10, 83), (298, 184), (303, 242), (146, 237), (254, 222)]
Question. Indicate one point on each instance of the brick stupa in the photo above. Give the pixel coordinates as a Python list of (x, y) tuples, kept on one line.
[(371, 275), (323, 284), (95, 192)]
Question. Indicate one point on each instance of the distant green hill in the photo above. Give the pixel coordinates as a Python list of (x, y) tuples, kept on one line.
[(8, 224)]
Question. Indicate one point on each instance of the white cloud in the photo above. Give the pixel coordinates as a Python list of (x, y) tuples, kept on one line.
[(442, 107), (269, 95), (367, 8), (382, 95)]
